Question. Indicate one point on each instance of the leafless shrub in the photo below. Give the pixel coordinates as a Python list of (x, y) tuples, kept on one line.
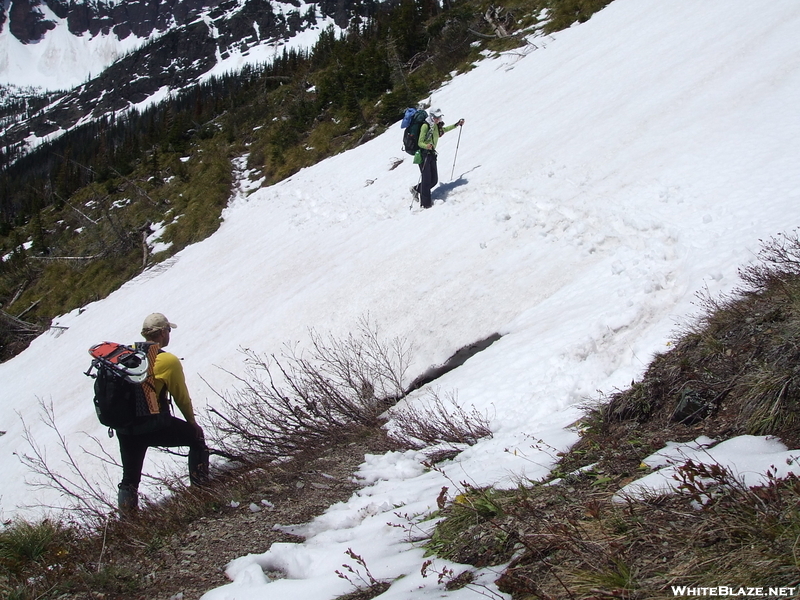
[(287, 404), (438, 421), (15, 334), (87, 497), (84, 496), (779, 261)]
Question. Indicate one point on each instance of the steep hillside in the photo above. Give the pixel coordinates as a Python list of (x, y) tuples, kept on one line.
[(605, 175), (97, 204)]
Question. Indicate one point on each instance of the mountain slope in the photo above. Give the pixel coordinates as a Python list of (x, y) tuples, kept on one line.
[(104, 59), (604, 175), (57, 45)]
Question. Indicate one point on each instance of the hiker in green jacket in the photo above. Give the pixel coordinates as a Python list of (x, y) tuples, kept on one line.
[(429, 135)]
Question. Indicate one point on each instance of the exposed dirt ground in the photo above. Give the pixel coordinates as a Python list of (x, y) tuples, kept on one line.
[(190, 563)]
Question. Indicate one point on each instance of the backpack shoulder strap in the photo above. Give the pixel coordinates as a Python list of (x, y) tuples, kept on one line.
[(425, 135), (151, 349)]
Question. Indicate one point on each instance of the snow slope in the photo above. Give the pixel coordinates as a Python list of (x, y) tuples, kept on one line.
[(604, 176)]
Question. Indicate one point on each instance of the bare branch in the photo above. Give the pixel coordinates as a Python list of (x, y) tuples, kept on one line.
[(289, 403), (438, 422), (86, 497)]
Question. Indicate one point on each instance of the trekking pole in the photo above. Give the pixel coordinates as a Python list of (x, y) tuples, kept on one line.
[(415, 196), (456, 154)]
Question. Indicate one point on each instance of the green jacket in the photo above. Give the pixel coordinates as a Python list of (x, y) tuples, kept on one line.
[(428, 135)]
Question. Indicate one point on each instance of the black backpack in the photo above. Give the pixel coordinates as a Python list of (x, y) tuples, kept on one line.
[(123, 380), (412, 123)]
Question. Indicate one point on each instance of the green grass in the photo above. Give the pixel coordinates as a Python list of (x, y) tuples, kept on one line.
[(24, 542), (469, 531)]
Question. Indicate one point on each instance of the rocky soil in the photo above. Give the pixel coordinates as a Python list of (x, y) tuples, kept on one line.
[(192, 562)]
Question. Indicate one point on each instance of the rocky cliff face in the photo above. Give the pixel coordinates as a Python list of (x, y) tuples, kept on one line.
[(193, 36), (29, 21)]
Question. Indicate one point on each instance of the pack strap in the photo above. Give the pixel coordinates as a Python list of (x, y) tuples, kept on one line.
[(149, 384)]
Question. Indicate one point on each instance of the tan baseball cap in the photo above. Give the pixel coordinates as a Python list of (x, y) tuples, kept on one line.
[(156, 322)]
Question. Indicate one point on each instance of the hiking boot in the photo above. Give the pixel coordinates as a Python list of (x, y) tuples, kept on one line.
[(127, 500), (198, 465), (198, 477)]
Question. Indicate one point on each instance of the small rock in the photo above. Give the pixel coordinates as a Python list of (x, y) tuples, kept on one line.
[(254, 507)]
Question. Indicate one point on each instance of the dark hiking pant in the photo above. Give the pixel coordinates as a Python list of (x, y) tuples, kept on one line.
[(176, 432), (430, 177)]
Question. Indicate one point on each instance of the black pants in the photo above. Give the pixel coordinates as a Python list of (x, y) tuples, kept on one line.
[(175, 432), (430, 177)]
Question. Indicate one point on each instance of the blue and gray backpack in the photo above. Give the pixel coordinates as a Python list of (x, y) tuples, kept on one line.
[(411, 124)]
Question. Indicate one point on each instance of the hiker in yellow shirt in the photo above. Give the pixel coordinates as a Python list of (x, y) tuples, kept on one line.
[(159, 427)]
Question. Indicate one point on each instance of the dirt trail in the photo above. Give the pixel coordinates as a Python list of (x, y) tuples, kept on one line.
[(190, 563)]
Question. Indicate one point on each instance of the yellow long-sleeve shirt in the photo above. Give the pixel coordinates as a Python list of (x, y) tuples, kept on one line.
[(168, 373)]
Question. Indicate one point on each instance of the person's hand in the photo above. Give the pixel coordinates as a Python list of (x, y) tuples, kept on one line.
[(430, 146), (460, 123)]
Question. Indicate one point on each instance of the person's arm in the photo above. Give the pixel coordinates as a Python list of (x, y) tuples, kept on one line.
[(458, 123), (168, 369)]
